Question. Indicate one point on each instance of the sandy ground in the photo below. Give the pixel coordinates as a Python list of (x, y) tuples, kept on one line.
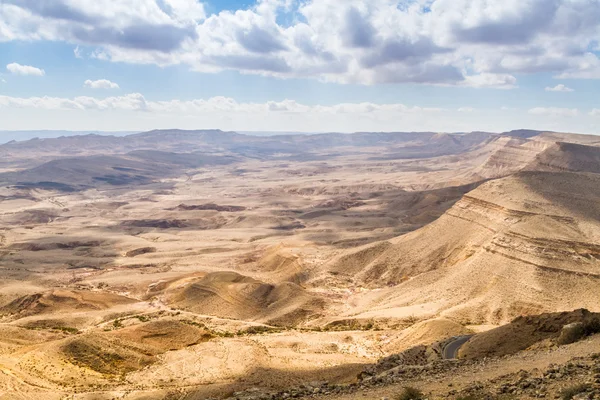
[(299, 270)]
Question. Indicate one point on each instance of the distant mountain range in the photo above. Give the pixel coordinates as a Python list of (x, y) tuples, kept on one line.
[(8, 136)]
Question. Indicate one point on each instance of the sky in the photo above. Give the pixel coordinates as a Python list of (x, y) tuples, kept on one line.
[(300, 65)]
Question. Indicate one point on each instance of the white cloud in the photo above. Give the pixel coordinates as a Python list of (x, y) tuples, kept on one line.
[(466, 109), (77, 52), (498, 81), (219, 104), (100, 84), (595, 112), (18, 69), (554, 111), (477, 43), (559, 88)]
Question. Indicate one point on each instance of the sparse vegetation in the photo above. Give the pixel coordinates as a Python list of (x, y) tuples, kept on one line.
[(193, 323), (572, 391), (349, 325), (410, 393), (67, 329), (259, 329), (142, 318)]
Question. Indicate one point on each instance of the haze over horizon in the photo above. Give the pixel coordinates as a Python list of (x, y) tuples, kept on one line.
[(286, 65)]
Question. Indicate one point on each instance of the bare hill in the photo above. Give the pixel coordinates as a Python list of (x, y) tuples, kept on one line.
[(60, 301), (231, 295), (518, 245)]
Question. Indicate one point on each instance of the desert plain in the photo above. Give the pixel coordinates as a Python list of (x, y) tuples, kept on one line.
[(209, 264)]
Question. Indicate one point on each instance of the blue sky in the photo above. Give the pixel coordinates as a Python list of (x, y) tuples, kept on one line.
[(311, 65)]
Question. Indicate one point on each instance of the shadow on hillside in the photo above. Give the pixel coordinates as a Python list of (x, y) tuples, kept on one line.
[(40, 256), (276, 380), (372, 217), (578, 193)]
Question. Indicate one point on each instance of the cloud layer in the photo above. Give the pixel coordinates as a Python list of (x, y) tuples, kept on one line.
[(18, 69), (135, 112), (478, 43), (219, 104)]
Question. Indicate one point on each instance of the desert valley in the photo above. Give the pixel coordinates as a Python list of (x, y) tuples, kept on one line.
[(211, 264)]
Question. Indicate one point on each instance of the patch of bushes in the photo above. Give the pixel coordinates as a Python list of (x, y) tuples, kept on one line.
[(410, 393), (142, 318), (193, 323), (258, 330), (349, 325), (570, 392), (67, 329)]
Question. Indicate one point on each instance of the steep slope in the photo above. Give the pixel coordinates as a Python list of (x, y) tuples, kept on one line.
[(519, 245), (514, 151), (507, 155), (567, 157)]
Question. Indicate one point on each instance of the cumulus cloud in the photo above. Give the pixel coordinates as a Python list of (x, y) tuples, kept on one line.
[(100, 84), (559, 88), (466, 109), (555, 111), (477, 43), (18, 69), (595, 112)]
